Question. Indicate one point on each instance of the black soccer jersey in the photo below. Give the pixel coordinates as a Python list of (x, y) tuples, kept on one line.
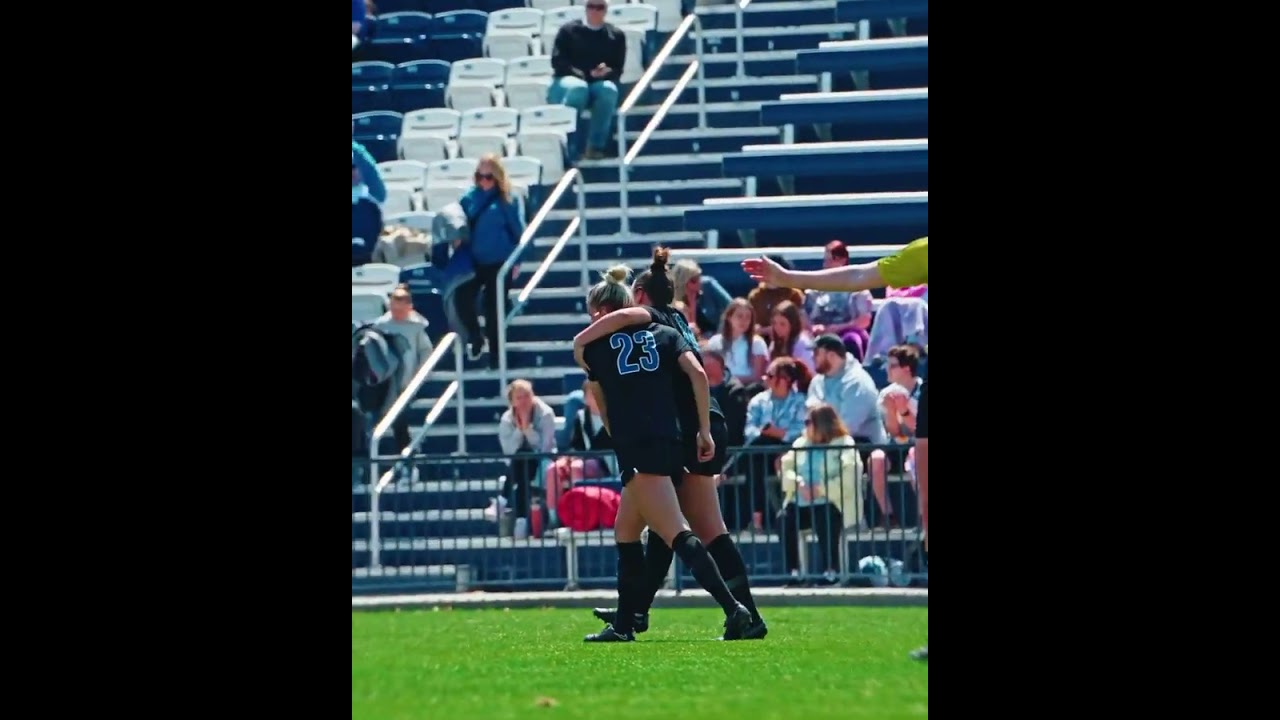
[(685, 404), (636, 368)]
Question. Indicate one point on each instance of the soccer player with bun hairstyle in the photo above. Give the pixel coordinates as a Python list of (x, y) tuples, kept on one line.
[(697, 493), (630, 373), (909, 266)]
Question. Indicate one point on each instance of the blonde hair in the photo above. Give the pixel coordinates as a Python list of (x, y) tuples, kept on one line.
[(519, 385), (500, 180), (681, 273), (612, 291)]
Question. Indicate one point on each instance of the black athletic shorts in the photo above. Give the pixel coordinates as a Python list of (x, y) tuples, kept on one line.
[(714, 466), (922, 413), (649, 456)]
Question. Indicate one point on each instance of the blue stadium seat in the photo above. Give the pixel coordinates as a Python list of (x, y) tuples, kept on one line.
[(378, 132), (459, 35), (370, 86), (418, 85), (402, 37), (422, 278)]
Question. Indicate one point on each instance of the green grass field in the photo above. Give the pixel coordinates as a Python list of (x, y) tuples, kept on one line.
[(834, 662)]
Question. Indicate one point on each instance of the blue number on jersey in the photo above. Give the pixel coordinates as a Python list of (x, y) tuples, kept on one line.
[(625, 343)]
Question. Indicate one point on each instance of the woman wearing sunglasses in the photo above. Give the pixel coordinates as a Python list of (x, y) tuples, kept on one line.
[(496, 225)]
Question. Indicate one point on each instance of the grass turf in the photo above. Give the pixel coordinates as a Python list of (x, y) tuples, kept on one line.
[(817, 662)]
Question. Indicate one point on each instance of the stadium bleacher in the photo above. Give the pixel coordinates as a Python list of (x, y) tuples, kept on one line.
[(856, 167)]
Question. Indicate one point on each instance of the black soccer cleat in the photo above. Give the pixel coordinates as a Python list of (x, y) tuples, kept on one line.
[(608, 634), (921, 654), (756, 631), (608, 615), (737, 624)]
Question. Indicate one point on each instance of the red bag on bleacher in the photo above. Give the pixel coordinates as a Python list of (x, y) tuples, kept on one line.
[(589, 507)]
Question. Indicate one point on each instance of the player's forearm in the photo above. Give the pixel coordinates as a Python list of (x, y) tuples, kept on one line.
[(702, 396), (598, 393), (849, 277)]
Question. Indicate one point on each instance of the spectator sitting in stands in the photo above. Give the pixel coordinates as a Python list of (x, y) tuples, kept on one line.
[(844, 314), (774, 417), (367, 195), (587, 57), (588, 435), (527, 427), (732, 395), (846, 386), (744, 350), (764, 298), (820, 490), (686, 278), (901, 320), (789, 336), (401, 319), (496, 227), (899, 402)]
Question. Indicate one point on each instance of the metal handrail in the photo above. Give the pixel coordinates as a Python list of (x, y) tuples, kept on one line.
[(573, 176), (401, 403), (624, 158), (737, 24), (542, 270)]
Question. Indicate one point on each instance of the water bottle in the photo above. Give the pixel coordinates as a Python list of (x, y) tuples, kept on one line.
[(522, 528), (535, 519)]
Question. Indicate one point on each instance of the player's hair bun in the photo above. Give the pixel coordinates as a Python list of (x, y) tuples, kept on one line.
[(660, 257), (617, 274)]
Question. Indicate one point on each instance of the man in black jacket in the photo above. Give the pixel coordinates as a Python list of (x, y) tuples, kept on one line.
[(587, 57)]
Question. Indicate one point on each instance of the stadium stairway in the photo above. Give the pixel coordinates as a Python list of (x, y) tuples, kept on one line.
[(678, 168)]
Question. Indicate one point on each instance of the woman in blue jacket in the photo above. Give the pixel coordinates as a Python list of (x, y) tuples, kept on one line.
[(496, 226)]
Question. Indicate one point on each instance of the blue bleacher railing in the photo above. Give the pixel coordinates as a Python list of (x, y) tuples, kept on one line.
[(574, 177), (624, 158), (432, 532), (450, 341)]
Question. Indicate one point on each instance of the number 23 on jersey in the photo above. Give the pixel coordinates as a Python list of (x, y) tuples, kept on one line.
[(625, 343)]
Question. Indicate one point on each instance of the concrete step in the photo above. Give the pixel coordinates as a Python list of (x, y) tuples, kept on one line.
[(654, 167), (685, 117), (735, 89), (607, 220), (708, 140)]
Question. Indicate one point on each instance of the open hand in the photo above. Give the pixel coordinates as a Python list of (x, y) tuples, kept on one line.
[(765, 270)]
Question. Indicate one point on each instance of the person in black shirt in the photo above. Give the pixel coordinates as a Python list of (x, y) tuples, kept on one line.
[(630, 374), (587, 58), (699, 499)]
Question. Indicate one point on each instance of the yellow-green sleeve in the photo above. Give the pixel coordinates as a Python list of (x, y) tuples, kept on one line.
[(909, 266)]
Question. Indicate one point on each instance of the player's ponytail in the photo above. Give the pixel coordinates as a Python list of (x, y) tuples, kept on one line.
[(656, 281), (611, 293)]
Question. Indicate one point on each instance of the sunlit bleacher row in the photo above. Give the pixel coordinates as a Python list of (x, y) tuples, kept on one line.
[(417, 186), (510, 33), (435, 135)]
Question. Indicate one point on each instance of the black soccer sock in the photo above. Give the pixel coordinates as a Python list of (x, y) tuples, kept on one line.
[(631, 584), (657, 561), (729, 560), (704, 569)]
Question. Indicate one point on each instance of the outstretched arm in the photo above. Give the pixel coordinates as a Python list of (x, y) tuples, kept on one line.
[(847, 277)]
